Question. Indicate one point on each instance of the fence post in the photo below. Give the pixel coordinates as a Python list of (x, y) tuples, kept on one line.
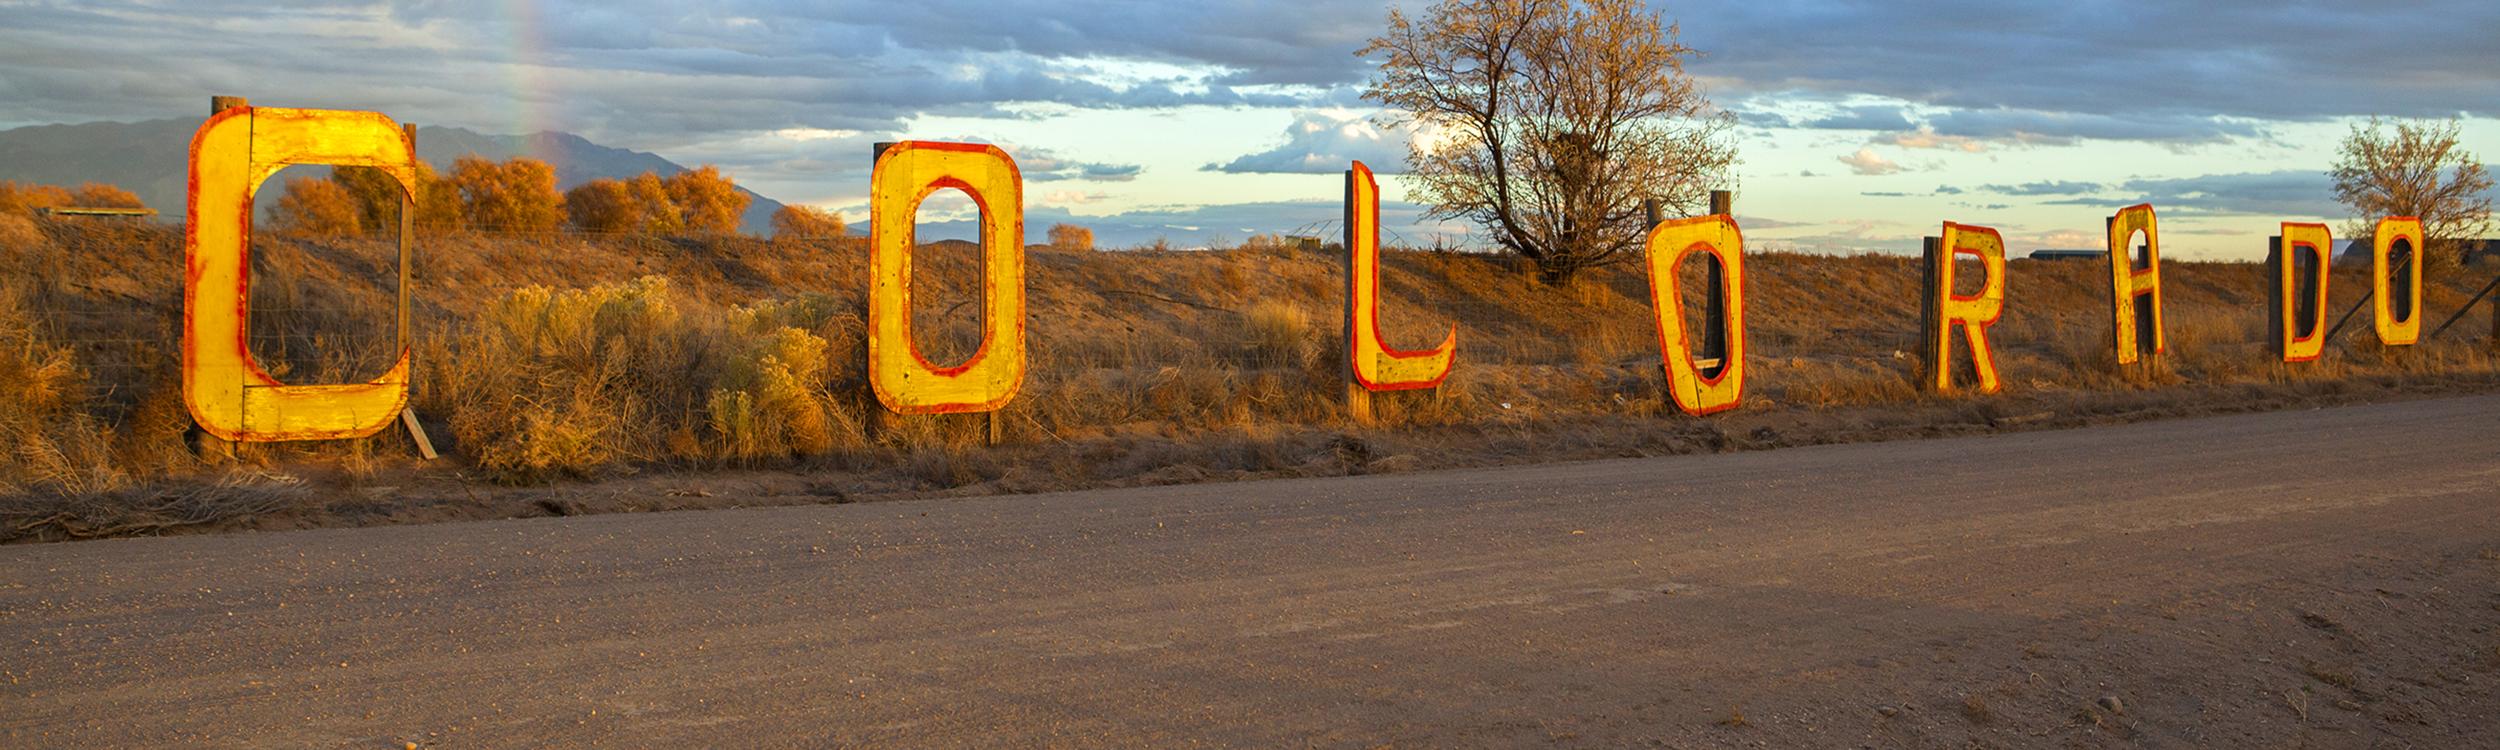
[(211, 447), (407, 241), (1930, 361), (878, 421), (1714, 295)]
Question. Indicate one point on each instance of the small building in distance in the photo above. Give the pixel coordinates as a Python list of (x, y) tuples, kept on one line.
[(2474, 252), (2068, 254)]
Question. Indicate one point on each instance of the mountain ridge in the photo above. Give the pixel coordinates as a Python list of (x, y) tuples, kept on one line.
[(151, 158)]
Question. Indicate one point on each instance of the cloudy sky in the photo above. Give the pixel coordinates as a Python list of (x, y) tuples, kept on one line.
[(1865, 123)]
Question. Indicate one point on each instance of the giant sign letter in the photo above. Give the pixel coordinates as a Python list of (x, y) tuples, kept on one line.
[(2298, 326), (905, 174), (1376, 366), (2396, 306), (1699, 388), (2135, 288), (1946, 311), (228, 393)]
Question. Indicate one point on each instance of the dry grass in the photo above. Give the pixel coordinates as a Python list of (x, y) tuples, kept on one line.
[(1276, 334), (551, 357), (148, 511), (53, 444)]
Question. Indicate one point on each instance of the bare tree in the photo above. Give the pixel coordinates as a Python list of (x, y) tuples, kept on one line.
[(2417, 171), (1548, 121)]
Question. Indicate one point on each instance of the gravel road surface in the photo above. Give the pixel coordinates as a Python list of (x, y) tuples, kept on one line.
[(2321, 578)]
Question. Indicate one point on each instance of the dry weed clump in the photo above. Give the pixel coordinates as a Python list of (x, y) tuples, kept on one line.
[(515, 195), (51, 442), (1276, 334), (317, 207), (239, 496), (20, 232), (1071, 237), (776, 399), (545, 384), (567, 383), (807, 222)]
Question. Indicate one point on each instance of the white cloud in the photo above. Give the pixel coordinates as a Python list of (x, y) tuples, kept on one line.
[(1867, 162), (1925, 137), (1323, 143), (1065, 198)]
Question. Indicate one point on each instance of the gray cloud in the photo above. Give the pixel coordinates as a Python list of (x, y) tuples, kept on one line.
[(2291, 194), (2160, 65), (649, 74), (1044, 165), (644, 73), (2031, 126), (2053, 187), (710, 83), (1865, 118)]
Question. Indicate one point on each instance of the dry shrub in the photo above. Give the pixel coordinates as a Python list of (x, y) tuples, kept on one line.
[(807, 222), (545, 385), (24, 199), (709, 201), (51, 442), (603, 205), (702, 201), (570, 383), (317, 207), (101, 195), (638, 206), (1071, 237), (20, 233), (775, 400), (378, 197), (660, 214), (516, 195)]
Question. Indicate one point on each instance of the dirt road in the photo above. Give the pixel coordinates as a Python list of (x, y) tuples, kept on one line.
[(2323, 578)]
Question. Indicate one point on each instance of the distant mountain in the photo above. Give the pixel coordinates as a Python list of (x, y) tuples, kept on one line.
[(152, 158)]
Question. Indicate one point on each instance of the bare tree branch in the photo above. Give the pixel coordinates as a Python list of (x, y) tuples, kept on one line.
[(1548, 121), (2418, 171)]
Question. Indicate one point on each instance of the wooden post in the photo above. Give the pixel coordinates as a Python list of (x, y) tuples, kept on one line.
[(2148, 332), (407, 254), (2276, 256), (880, 420), (213, 448), (1358, 399), (425, 446), (1714, 299), (1929, 359)]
